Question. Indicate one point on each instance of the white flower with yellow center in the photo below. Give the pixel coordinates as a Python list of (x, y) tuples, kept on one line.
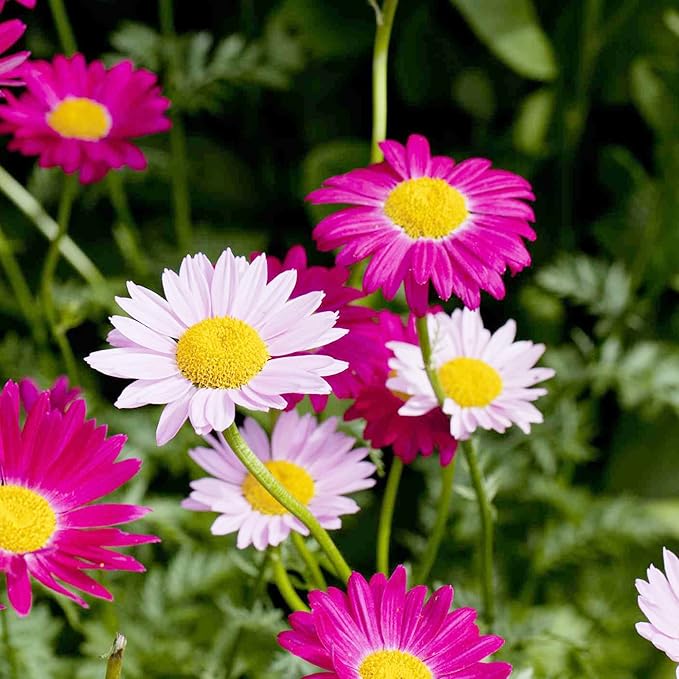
[(222, 337), (487, 379)]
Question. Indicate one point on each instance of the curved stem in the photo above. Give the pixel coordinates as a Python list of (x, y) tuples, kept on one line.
[(114, 666), (425, 346), (257, 468), (317, 578), (63, 26), (476, 475), (283, 583), (442, 512), (385, 22), (387, 515)]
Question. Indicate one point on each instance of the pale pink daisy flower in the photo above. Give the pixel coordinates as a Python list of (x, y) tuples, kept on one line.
[(425, 218), (659, 602), (315, 462), (221, 337), (11, 73), (487, 379)]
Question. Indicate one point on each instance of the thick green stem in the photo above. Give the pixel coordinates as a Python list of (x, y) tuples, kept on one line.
[(49, 270), (114, 666), (288, 592), (63, 26), (260, 472), (425, 346), (387, 515), (314, 569), (385, 22), (442, 512), (10, 651)]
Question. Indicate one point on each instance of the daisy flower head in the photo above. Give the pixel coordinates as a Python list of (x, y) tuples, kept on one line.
[(52, 468), (380, 629), (379, 406), (315, 462), (82, 117), (222, 336), (60, 394), (11, 66), (29, 4), (488, 380), (659, 602), (425, 218)]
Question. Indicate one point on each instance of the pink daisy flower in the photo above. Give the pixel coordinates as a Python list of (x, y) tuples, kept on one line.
[(315, 462), (359, 321), (424, 218), (60, 393), (380, 629), (82, 117), (11, 71), (487, 379), (51, 470), (223, 337), (29, 4), (379, 405), (659, 602)]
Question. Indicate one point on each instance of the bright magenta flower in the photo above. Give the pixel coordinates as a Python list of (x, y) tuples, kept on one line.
[(30, 4), (11, 73), (51, 469), (82, 117), (380, 629), (425, 218)]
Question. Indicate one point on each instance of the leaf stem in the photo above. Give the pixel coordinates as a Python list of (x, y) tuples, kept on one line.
[(288, 592), (63, 26), (387, 515), (426, 348), (114, 666), (314, 569)]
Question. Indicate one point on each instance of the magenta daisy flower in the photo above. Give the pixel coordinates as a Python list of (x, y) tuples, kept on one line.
[(380, 629), (82, 117), (223, 337), (11, 66), (29, 4), (358, 321), (60, 394), (659, 602), (425, 218), (51, 471), (379, 406), (315, 462)]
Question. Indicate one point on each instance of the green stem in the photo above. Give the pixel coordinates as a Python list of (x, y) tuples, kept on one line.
[(260, 472), (288, 592), (472, 457), (387, 515), (9, 647), (25, 201), (314, 569), (63, 26), (49, 269), (442, 512), (385, 22), (425, 346), (114, 666), (21, 290)]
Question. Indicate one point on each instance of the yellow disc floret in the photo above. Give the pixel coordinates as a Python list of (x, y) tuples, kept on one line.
[(80, 118), (426, 207), (393, 665), (221, 353), (295, 479), (27, 521), (470, 382)]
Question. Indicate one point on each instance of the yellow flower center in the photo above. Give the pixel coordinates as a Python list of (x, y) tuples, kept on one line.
[(295, 479), (221, 353), (393, 665), (80, 118), (27, 521), (470, 382), (426, 207)]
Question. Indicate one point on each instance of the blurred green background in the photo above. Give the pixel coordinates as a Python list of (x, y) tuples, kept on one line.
[(580, 97)]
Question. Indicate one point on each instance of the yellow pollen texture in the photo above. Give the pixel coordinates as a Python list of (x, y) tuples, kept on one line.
[(426, 207), (221, 353), (27, 521), (295, 479), (393, 665), (470, 382), (80, 118)]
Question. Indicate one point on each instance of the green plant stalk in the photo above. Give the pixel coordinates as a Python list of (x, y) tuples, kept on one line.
[(282, 580), (387, 515), (425, 346), (385, 22), (114, 666), (317, 579), (48, 271), (436, 536), (260, 472), (63, 26), (9, 647)]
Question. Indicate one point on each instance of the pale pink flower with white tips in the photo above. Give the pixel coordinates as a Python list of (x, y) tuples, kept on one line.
[(221, 337)]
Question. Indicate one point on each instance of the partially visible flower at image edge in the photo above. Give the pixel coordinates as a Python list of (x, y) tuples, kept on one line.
[(315, 462), (425, 218), (52, 469), (11, 66), (29, 4), (222, 337), (82, 117), (659, 601), (381, 629)]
